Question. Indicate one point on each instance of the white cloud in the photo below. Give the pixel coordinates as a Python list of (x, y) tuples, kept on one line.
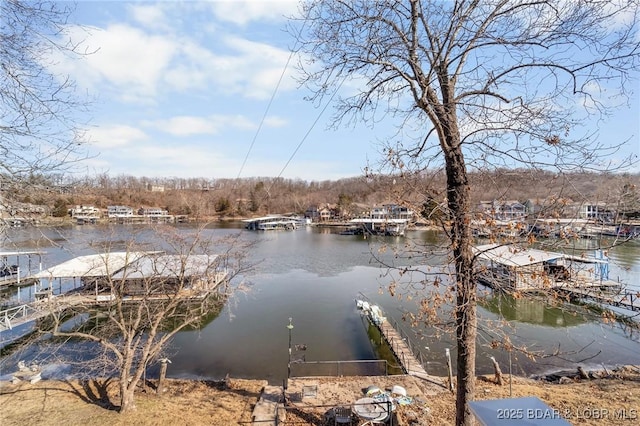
[(151, 16), (126, 58), (192, 125), (114, 136), (135, 65), (193, 67), (274, 121), (186, 126), (137, 62), (238, 67), (244, 11), (257, 68)]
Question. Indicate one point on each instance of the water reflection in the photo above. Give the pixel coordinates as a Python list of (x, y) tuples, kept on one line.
[(531, 310)]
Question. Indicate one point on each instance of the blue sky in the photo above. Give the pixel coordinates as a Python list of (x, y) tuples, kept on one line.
[(181, 88)]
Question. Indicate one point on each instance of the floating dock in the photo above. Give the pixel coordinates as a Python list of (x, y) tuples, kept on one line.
[(622, 299)]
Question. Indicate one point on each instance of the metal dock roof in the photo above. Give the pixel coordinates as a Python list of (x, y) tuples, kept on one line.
[(168, 266), (515, 256), (93, 265), (20, 253)]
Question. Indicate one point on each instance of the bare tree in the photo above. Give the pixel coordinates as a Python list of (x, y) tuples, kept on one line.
[(475, 84), (39, 110), (156, 295)]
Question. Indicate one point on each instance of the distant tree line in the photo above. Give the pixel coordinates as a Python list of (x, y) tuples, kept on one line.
[(206, 198)]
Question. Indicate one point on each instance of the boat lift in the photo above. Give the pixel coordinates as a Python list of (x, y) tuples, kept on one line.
[(13, 268)]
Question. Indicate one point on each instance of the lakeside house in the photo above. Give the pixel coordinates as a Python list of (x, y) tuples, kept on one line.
[(153, 212), (86, 214), (320, 213), (598, 212), (509, 210), (119, 211)]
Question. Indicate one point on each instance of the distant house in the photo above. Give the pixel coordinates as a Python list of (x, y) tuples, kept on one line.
[(119, 211), (551, 207), (503, 210), (399, 212), (320, 213), (25, 210), (156, 188), (391, 211), (152, 212), (85, 212), (596, 211)]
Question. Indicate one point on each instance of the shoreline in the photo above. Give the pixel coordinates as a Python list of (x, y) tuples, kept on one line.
[(615, 398)]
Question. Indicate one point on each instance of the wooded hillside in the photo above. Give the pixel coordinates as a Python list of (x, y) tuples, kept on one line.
[(200, 197)]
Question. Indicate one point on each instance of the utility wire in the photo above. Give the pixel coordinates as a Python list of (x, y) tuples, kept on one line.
[(264, 116), (304, 138), (266, 111)]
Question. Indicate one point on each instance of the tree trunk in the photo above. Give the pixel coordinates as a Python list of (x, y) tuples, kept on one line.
[(127, 402), (465, 314), (127, 386)]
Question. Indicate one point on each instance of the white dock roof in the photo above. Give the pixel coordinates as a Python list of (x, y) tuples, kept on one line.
[(167, 266), (379, 220), (20, 253), (511, 255), (514, 256), (258, 219), (93, 265)]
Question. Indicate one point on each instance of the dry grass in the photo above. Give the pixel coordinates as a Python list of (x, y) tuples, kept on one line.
[(201, 402), (75, 403)]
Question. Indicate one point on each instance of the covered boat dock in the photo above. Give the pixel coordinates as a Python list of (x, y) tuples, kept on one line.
[(382, 226), (139, 271), (515, 268), (271, 223)]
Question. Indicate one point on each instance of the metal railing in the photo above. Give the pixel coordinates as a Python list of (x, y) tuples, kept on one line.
[(375, 367), (8, 316), (407, 341)]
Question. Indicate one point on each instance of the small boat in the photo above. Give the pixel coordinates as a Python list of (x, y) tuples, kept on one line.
[(352, 231), (372, 311), (362, 304)]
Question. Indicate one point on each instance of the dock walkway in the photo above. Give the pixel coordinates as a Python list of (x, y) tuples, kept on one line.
[(18, 315), (623, 299), (265, 412), (401, 348)]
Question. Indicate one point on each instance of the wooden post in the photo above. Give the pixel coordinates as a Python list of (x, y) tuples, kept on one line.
[(448, 354), (510, 376), (163, 374), (583, 374), (498, 372)]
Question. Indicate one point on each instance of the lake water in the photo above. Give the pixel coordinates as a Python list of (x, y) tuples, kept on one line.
[(313, 276)]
